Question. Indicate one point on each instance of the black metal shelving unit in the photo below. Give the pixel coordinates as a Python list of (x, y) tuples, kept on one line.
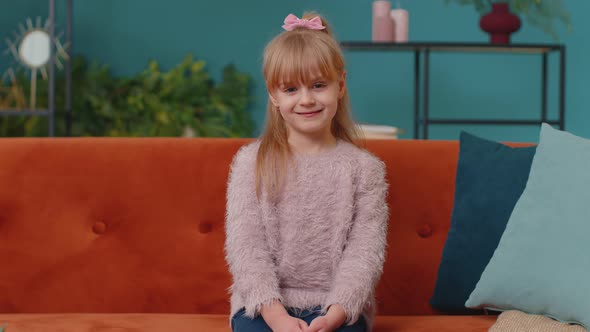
[(424, 50), (49, 112)]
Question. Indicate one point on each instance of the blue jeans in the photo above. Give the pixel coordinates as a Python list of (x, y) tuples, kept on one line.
[(241, 323)]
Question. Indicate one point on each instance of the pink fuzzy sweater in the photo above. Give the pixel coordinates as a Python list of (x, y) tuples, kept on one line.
[(321, 243)]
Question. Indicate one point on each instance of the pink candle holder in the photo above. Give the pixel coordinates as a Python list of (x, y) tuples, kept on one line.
[(400, 18), (382, 22)]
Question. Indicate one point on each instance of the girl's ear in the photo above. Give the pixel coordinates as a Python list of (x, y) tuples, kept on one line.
[(342, 85), (272, 99)]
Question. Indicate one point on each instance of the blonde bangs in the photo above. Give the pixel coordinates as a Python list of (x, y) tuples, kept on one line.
[(298, 59)]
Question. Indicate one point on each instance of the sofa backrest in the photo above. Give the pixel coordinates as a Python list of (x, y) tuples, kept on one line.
[(137, 224)]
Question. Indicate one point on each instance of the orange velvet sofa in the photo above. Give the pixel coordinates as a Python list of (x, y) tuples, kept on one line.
[(126, 234)]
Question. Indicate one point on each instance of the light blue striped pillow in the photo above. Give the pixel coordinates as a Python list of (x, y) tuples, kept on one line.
[(542, 262)]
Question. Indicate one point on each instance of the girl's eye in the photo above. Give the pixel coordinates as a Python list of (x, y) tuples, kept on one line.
[(319, 85), (290, 90)]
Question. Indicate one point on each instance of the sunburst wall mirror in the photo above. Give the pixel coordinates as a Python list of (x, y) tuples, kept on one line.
[(31, 50)]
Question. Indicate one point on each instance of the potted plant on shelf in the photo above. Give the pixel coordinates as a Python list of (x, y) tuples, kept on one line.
[(500, 18)]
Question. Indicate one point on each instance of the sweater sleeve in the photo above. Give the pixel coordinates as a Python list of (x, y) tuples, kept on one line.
[(363, 257), (253, 270)]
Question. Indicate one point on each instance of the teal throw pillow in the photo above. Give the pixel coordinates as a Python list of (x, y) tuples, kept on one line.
[(489, 180), (541, 265)]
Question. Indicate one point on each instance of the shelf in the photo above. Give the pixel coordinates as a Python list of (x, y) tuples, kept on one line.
[(452, 47), (38, 112), (490, 122), (422, 51), (49, 112)]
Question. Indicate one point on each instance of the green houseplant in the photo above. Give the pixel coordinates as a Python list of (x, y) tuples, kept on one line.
[(150, 103), (542, 14)]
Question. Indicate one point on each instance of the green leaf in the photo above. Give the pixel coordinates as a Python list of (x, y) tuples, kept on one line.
[(152, 102)]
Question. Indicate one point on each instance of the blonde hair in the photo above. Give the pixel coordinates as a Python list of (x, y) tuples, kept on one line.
[(291, 57)]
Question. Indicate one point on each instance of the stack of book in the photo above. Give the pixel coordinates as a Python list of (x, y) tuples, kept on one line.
[(379, 131)]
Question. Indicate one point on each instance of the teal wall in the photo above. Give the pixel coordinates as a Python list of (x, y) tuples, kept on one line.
[(127, 33)]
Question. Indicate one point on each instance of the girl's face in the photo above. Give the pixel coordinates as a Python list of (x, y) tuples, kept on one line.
[(308, 108)]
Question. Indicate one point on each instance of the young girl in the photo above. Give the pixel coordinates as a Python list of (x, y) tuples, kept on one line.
[(306, 217)]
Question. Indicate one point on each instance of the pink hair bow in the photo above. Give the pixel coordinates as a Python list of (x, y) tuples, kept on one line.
[(292, 22)]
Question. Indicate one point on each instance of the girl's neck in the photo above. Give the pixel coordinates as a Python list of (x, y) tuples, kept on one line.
[(305, 144)]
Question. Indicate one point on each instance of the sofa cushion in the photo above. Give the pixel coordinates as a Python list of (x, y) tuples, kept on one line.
[(518, 321), (490, 178), (214, 323), (121, 220), (541, 264)]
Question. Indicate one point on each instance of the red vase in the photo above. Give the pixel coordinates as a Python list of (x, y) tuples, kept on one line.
[(500, 23)]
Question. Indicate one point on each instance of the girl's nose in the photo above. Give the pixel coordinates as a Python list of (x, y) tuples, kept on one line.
[(306, 98)]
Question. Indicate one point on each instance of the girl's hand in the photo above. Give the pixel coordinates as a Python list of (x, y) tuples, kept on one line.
[(320, 324), (330, 322), (287, 324), (277, 318)]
